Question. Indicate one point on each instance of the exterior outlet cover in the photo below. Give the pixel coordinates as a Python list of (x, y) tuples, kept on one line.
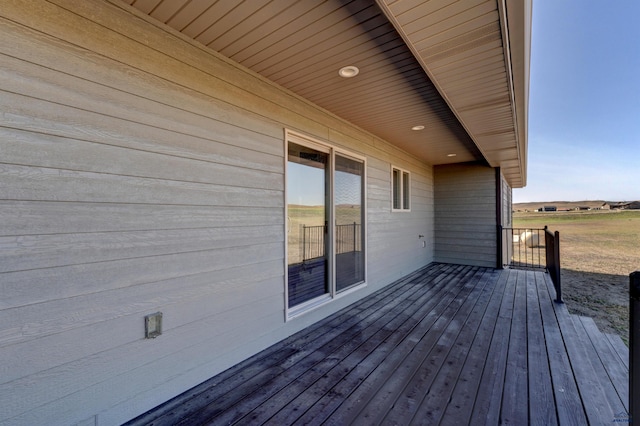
[(153, 325)]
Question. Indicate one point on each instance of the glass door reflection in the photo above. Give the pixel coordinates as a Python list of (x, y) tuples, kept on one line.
[(349, 232), (307, 217)]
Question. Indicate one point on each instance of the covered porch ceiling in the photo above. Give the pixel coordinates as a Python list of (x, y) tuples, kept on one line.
[(458, 68)]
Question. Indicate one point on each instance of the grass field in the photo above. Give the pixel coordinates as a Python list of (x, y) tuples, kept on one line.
[(598, 249)]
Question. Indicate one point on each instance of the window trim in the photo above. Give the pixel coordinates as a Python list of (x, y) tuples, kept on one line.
[(404, 195)]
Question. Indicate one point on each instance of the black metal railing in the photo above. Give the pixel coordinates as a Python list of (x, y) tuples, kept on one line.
[(634, 345), (534, 248), (348, 239), (313, 241), (526, 247)]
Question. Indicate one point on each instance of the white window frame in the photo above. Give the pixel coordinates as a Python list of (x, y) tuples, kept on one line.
[(405, 192), (332, 150)]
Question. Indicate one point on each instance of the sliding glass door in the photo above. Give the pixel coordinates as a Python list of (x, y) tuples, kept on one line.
[(325, 222)]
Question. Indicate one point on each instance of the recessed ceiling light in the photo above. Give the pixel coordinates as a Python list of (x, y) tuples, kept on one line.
[(451, 155), (348, 72), (417, 128)]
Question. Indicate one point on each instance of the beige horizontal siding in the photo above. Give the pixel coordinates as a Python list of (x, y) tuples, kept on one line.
[(507, 220), (465, 214)]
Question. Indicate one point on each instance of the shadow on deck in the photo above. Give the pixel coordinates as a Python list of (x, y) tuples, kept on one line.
[(447, 345)]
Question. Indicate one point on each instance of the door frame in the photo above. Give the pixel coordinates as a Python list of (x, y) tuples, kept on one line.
[(311, 142)]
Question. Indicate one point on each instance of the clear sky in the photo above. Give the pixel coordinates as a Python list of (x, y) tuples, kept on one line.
[(584, 101)]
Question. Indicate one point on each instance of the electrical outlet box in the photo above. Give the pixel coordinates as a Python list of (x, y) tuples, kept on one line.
[(153, 325)]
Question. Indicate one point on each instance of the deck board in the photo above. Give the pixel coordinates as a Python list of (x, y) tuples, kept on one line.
[(621, 350), (399, 346), (586, 379), (435, 399), (313, 385), (611, 373), (489, 398), (375, 360), (516, 393), (438, 368), (569, 406), (414, 353), (459, 410), (447, 344), (541, 404)]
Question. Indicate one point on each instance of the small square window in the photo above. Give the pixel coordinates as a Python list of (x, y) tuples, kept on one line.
[(401, 190)]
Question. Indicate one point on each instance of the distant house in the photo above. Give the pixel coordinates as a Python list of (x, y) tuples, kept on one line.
[(187, 163), (613, 205), (622, 205), (634, 205)]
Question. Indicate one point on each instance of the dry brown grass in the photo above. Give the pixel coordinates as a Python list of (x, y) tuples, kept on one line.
[(598, 249)]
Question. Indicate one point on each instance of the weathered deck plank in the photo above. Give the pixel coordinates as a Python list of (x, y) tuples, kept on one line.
[(389, 358), (609, 370), (489, 398), (589, 387), (569, 407), (311, 386), (541, 404), (414, 351), (441, 365), (333, 399), (621, 350), (377, 397), (459, 410), (447, 345), (435, 399), (516, 393)]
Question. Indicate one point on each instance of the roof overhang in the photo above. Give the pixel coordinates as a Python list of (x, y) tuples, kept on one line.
[(460, 69), (477, 55)]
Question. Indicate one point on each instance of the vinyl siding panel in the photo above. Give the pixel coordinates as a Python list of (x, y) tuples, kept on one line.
[(507, 203), (141, 173), (465, 214)]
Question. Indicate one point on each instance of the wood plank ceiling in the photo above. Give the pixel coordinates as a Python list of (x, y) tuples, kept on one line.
[(301, 45)]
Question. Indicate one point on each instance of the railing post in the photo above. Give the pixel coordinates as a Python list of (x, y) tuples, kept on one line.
[(304, 241), (556, 261), (634, 345), (354, 236), (500, 241), (552, 257)]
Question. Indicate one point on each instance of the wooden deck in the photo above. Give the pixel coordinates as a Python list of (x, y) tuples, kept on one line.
[(445, 345)]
